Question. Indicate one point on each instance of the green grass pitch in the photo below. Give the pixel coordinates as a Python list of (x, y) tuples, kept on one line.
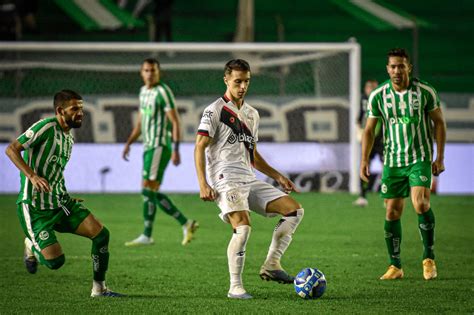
[(343, 241)]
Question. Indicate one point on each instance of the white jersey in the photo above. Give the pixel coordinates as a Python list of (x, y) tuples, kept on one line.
[(234, 133)]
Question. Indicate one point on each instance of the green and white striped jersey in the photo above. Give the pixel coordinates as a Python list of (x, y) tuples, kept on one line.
[(408, 137), (154, 103), (47, 151)]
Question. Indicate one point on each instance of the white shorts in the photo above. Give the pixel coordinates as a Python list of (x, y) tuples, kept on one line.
[(254, 195)]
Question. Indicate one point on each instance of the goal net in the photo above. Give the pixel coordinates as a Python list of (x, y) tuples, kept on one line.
[(307, 95)]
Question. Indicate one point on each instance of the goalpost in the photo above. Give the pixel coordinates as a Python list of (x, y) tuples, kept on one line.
[(306, 93)]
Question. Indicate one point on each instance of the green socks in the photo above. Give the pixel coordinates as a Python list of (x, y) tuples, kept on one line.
[(426, 225), (149, 210), (169, 208), (393, 238), (152, 199), (100, 254)]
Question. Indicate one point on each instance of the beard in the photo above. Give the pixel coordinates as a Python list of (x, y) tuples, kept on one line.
[(73, 124)]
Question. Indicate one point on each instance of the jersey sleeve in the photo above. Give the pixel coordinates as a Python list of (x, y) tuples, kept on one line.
[(255, 127), (35, 135), (169, 98), (373, 106), (432, 101), (209, 121)]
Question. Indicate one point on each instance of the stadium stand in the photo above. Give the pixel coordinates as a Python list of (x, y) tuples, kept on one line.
[(447, 66)]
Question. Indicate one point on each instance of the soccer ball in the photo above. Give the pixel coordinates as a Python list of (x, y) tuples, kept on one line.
[(310, 283)]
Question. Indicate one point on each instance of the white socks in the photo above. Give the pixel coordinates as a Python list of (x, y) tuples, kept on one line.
[(281, 239), (236, 258)]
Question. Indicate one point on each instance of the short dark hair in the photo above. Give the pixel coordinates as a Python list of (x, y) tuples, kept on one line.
[(152, 61), (64, 96), (236, 64), (398, 52)]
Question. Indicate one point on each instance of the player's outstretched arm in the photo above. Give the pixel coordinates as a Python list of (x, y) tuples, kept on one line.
[(136, 132), (262, 166), (440, 137), (13, 151), (367, 143), (173, 117), (206, 193)]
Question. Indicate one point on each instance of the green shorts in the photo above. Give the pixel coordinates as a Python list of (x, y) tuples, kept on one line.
[(155, 161), (39, 225), (396, 181)]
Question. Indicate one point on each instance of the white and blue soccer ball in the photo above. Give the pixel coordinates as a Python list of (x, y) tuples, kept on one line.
[(310, 283)]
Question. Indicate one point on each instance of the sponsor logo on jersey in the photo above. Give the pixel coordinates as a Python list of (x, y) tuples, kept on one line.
[(404, 120), (384, 188), (207, 114), (29, 133), (206, 117), (388, 100), (241, 137), (232, 139), (246, 138), (44, 235), (53, 159), (415, 104)]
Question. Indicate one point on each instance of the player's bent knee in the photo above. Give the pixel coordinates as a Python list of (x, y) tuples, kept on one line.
[(421, 204), (55, 263), (151, 184), (293, 204), (286, 206), (238, 218), (103, 237), (421, 207), (393, 214)]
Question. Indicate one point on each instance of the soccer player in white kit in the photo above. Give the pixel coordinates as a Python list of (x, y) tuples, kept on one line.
[(226, 151)]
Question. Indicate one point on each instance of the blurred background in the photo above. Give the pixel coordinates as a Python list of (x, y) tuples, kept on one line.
[(307, 78)]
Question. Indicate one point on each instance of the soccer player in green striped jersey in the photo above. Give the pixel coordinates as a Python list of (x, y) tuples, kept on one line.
[(408, 107), (44, 205), (377, 148), (158, 123)]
